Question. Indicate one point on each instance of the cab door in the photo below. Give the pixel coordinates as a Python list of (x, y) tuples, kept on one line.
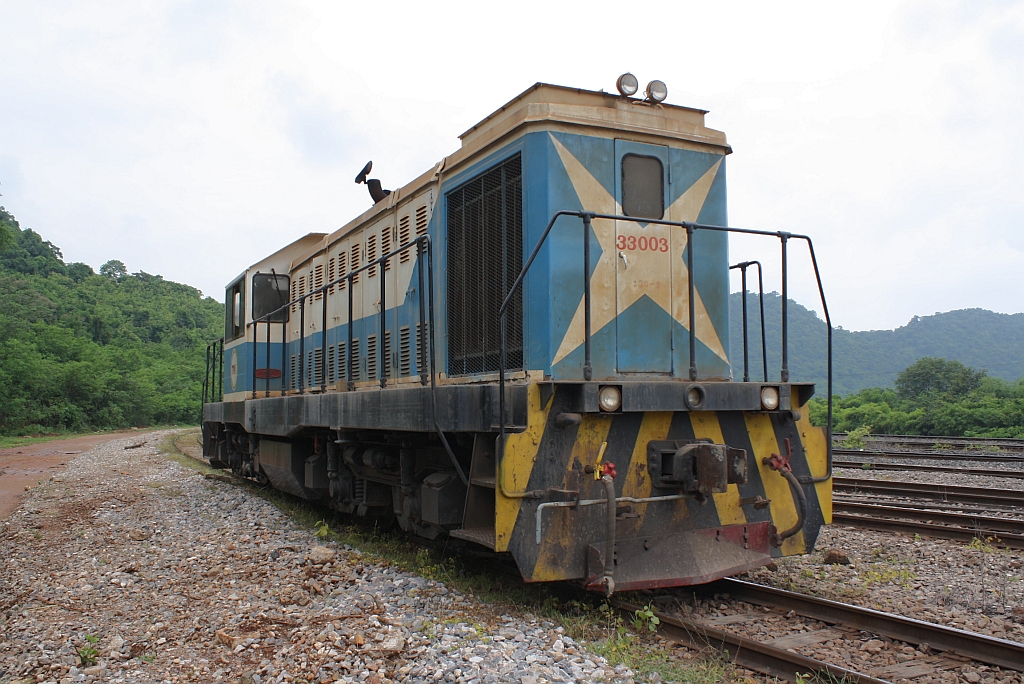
[(643, 260)]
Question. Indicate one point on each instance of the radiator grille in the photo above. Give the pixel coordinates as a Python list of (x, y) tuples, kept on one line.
[(485, 255)]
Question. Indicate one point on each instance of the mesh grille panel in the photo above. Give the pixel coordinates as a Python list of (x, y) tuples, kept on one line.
[(485, 255)]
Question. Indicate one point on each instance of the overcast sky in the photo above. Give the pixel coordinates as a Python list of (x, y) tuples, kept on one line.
[(189, 139)]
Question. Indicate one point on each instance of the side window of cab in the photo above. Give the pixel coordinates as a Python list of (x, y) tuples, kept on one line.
[(234, 310)]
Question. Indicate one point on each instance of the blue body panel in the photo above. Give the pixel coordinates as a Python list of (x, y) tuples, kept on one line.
[(563, 171)]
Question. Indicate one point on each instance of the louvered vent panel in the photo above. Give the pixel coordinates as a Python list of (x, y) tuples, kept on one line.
[(295, 294), (331, 274), (421, 221), (318, 281), (385, 246), (354, 261), (371, 255), (330, 365), (421, 349), (371, 357), (355, 360), (404, 352), (485, 255), (314, 369), (302, 290), (388, 361), (404, 235), (293, 372), (339, 362)]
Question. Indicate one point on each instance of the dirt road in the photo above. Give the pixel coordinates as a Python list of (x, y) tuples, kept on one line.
[(24, 466)]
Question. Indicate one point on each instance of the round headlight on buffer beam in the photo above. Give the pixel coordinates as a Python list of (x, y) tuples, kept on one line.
[(657, 91), (695, 397), (610, 398), (770, 398), (627, 85)]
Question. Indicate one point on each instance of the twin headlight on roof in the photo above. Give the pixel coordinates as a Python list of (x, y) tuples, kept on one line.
[(627, 85)]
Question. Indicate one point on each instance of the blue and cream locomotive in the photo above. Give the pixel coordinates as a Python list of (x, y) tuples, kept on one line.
[(526, 349)]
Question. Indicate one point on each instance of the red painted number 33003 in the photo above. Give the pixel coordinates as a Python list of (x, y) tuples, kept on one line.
[(643, 243)]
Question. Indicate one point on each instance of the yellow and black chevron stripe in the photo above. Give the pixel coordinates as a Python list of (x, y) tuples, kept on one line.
[(553, 458)]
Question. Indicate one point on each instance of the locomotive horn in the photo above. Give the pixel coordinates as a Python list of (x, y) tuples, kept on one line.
[(372, 184)]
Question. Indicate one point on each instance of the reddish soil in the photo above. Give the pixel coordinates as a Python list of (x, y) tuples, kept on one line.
[(24, 466)]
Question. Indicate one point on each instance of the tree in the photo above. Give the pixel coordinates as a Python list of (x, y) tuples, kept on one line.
[(114, 269), (8, 230), (937, 376)]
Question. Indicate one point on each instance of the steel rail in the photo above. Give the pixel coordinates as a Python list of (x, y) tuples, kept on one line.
[(753, 655), (980, 647), (918, 490), (987, 472), (970, 520), (1001, 442), (929, 455), (872, 522)]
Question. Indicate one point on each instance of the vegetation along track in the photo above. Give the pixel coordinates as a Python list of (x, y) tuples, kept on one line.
[(776, 660)]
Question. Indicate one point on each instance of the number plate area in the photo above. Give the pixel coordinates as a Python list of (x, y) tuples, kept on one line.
[(644, 273)]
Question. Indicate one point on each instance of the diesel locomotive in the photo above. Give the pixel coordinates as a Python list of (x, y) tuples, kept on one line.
[(526, 349)]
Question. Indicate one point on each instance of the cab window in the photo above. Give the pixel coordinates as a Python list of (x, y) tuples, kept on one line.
[(234, 310), (643, 186), (270, 293)]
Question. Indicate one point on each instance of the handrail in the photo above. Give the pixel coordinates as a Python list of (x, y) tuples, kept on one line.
[(587, 218), (424, 253), (743, 266)]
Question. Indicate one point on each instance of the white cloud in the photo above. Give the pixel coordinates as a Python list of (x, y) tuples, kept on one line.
[(192, 138)]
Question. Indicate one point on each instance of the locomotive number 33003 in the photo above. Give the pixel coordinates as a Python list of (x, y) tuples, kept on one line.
[(642, 244)]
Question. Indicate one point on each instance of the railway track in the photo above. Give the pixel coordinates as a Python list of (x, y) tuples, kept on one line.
[(914, 467), (929, 455), (778, 661), (963, 443), (981, 496), (960, 526)]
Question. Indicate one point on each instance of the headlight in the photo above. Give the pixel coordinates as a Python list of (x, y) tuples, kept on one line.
[(657, 91), (770, 398), (627, 84), (695, 396), (610, 398)]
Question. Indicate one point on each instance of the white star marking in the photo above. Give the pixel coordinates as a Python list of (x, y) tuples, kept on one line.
[(593, 197)]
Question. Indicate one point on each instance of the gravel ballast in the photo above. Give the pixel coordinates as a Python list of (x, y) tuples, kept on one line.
[(129, 567)]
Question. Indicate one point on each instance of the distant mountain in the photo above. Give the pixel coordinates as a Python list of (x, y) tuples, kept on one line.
[(872, 358)]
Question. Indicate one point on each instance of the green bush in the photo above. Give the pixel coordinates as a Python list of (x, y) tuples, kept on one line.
[(932, 397)]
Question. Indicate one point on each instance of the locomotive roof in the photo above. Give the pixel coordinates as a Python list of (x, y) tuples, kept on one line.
[(546, 106)]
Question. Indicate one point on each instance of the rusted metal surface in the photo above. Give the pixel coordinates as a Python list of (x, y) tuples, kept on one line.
[(985, 649), (753, 655)]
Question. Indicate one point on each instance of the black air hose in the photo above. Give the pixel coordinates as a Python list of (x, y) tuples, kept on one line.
[(801, 503)]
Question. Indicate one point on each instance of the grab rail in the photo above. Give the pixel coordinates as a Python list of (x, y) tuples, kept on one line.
[(424, 256), (588, 217)]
